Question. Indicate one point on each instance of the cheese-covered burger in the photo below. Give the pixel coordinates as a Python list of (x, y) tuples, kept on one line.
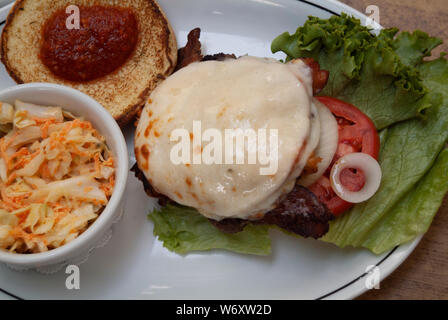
[(204, 101)]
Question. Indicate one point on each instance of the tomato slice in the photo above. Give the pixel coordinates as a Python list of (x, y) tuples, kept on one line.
[(357, 133)]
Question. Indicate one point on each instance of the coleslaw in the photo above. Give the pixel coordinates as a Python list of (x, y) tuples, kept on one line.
[(56, 176)]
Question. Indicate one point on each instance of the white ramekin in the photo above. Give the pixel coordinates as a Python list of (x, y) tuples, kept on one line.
[(79, 104)]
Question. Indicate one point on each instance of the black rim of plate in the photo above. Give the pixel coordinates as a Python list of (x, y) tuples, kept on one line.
[(327, 295)]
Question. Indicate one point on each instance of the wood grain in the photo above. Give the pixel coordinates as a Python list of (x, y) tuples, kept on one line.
[(424, 275)]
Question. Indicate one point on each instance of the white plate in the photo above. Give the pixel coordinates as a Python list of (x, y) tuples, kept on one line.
[(135, 265)]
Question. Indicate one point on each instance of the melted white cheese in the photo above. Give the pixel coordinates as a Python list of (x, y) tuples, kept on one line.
[(245, 93)]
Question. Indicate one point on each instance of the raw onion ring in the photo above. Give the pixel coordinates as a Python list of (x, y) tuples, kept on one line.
[(360, 161)]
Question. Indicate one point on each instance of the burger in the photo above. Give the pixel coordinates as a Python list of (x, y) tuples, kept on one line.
[(241, 140)]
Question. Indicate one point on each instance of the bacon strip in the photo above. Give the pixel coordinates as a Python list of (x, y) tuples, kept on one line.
[(219, 57), (320, 77), (192, 50)]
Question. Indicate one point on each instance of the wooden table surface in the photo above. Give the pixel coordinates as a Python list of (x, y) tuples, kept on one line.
[(424, 275)]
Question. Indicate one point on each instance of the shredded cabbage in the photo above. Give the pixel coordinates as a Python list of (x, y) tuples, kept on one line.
[(6, 113)]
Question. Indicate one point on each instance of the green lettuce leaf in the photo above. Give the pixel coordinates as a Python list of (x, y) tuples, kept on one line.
[(413, 214), (184, 230), (361, 66), (413, 47)]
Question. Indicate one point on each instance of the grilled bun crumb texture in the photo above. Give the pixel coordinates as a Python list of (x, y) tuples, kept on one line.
[(122, 92)]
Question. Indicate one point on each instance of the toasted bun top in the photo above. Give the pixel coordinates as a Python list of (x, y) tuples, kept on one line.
[(122, 92)]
